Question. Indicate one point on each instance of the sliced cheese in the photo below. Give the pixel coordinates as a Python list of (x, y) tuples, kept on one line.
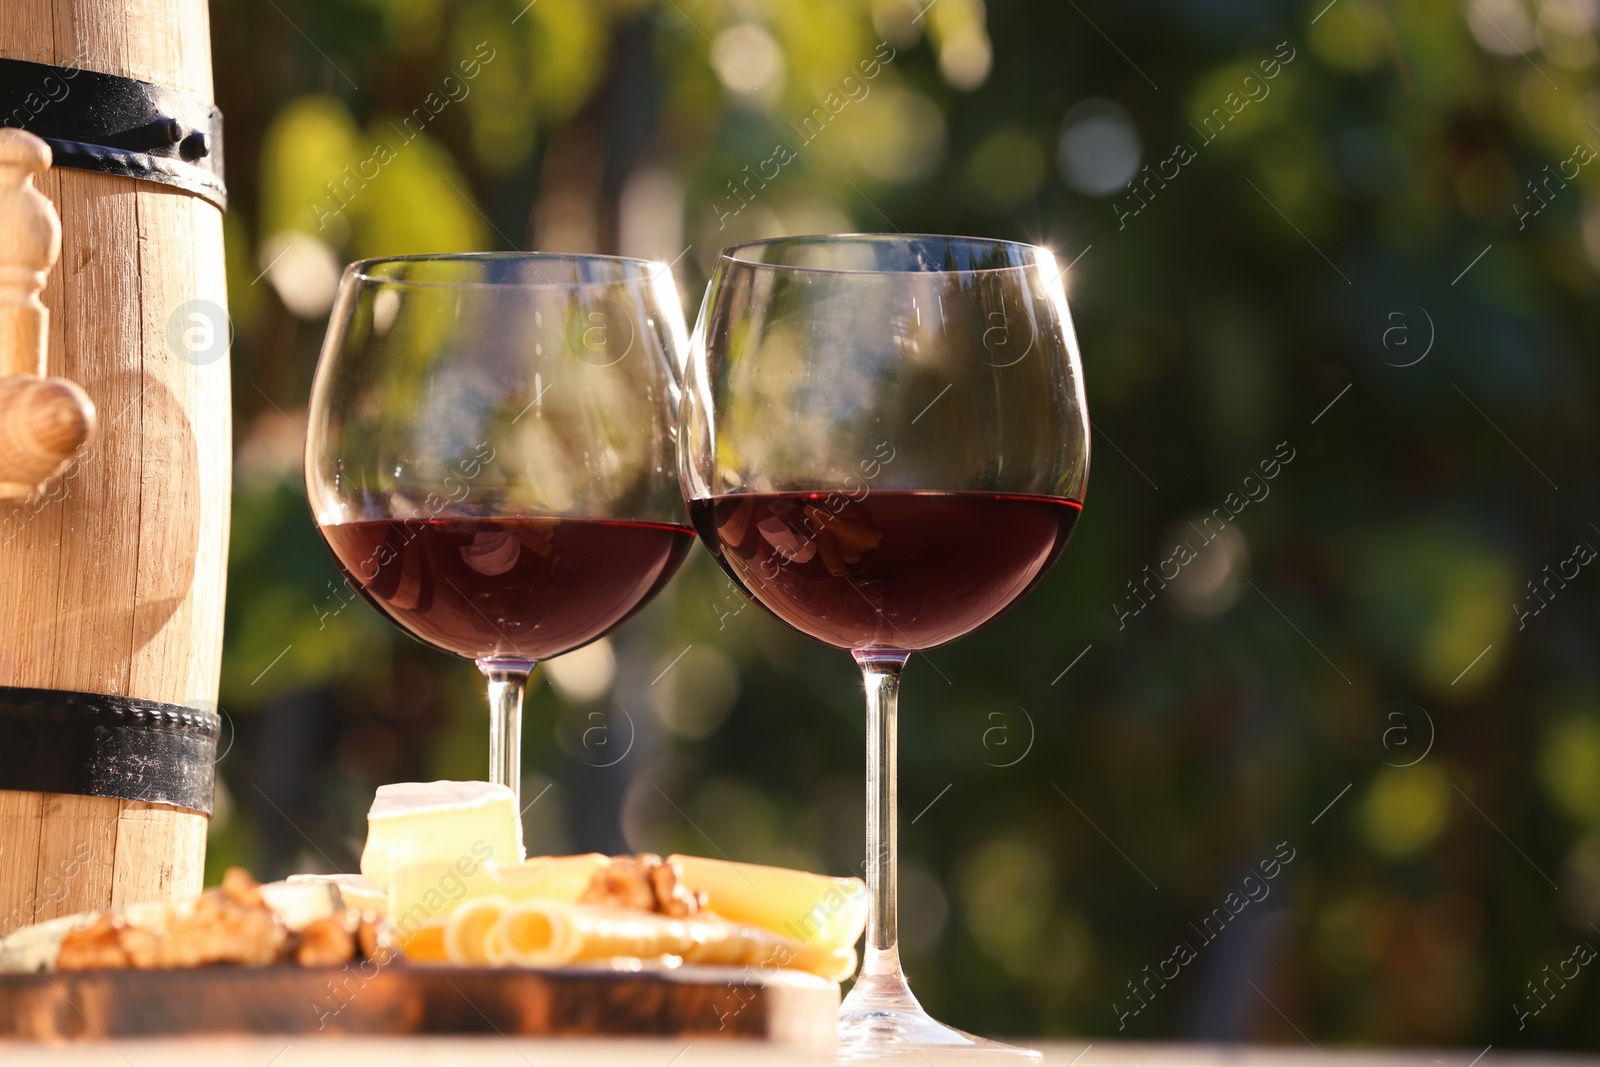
[(807, 909), (466, 935), (422, 892), (444, 823), (549, 933)]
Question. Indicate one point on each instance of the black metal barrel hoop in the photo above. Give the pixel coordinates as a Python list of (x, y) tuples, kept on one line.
[(89, 744), (114, 125)]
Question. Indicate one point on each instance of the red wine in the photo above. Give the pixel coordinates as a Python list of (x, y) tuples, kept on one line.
[(896, 569), (525, 587)]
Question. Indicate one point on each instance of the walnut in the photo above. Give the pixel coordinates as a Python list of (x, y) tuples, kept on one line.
[(329, 941), (229, 924), (220, 931), (372, 938), (142, 946), (96, 947), (673, 898), (644, 883), (111, 943), (240, 887), (623, 883)]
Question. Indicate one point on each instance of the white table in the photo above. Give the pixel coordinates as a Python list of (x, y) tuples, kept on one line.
[(290, 1051)]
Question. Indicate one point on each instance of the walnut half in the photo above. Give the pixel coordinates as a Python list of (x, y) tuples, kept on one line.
[(329, 941), (228, 924), (673, 898), (94, 948), (644, 883), (222, 931)]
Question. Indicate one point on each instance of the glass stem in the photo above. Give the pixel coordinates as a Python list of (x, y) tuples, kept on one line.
[(507, 680), (881, 983)]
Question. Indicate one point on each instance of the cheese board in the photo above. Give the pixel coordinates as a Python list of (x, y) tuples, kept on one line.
[(492, 941), (786, 1008)]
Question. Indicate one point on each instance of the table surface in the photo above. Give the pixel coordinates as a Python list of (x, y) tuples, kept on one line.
[(302, 1051)]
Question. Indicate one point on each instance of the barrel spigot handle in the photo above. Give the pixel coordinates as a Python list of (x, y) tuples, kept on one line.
[(43, 421)]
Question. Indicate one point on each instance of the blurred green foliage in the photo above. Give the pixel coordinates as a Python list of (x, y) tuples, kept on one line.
[(1353, 264)]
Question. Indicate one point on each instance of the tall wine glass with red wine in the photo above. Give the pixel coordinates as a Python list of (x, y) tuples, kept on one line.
[(884, 442), (491, 454)]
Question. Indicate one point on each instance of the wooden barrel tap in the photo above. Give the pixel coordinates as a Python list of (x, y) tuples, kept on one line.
[(43, 421)]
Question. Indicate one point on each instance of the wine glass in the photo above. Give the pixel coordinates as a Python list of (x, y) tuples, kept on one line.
[(884, 441), (491, 454)]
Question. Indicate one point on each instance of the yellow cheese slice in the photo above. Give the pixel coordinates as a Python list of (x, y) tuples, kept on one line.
[(755, 909), (466, 935), (422, 892), (550, 933), (807, 909)]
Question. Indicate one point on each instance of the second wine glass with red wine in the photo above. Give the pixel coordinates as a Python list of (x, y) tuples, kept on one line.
[(491, 454), (884, 442)]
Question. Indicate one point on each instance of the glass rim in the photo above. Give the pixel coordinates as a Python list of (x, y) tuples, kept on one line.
[(735, 253), (638, 270)]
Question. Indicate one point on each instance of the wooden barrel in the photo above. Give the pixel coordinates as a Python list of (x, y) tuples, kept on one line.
[(112, 577)]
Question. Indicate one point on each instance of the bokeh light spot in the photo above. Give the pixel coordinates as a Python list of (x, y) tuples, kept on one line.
[(748, 60), (585, 674), (1569, 764), (1405, 809), (1006, 894), (1099, 149)]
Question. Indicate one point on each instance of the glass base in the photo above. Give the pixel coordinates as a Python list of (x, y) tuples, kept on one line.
[(881, 1019)]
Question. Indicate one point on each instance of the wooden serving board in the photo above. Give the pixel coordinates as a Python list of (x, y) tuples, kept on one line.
[(787, 1008)]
